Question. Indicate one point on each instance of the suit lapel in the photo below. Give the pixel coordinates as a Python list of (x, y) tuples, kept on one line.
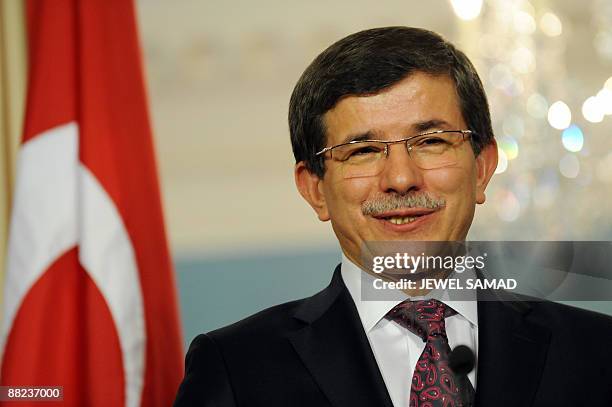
[(334, 348), (511, 354)]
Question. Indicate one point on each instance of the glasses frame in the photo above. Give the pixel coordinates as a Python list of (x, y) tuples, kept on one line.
[(387, 143)]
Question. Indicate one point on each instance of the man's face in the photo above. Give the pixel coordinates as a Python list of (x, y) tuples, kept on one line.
[(419, 103)]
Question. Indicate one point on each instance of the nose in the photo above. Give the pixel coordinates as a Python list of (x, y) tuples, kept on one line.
[(400, 173)]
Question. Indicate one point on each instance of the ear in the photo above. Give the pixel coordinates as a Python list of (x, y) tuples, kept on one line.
[(311, 189), (486, 163)]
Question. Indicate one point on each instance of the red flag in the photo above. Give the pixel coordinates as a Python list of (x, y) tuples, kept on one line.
[(90, 299)]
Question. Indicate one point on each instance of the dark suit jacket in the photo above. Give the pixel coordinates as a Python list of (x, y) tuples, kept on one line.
[(314, 352)]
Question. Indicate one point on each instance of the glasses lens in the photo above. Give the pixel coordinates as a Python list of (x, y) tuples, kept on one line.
[(435, 150), (367, 158), (360, 159)]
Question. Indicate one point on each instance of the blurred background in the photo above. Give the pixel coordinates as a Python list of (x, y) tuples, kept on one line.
[(220, 74)]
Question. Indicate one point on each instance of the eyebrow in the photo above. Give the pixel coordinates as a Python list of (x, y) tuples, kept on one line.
[(429, 125), (419, 127), (368, 135)]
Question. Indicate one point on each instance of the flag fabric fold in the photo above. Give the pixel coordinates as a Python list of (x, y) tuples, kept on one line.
[(90, 302)]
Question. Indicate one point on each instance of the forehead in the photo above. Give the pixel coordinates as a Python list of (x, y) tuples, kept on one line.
[(398, 111)]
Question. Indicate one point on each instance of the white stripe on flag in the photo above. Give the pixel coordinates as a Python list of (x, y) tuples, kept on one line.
[(52, 190), (107, 254)]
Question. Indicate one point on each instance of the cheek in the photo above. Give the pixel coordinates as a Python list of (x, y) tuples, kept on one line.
[(452, 181), (344, 196)]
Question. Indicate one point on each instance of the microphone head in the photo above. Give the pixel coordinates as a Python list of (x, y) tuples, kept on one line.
[(461, 360)]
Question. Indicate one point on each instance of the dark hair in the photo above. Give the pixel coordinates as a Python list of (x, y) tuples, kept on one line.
[(367, 62)]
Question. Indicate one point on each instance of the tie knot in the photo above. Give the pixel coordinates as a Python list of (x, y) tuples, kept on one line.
[(424, 318)]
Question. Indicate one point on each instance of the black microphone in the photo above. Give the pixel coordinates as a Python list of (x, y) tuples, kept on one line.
[(461, 361)]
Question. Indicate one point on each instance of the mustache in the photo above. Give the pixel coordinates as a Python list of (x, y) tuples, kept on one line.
[(391, 202)]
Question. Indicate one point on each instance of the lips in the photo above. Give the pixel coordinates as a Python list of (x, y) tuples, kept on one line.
[(404, 213)]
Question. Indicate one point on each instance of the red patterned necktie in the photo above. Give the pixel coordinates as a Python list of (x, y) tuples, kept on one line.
[(433, 383)]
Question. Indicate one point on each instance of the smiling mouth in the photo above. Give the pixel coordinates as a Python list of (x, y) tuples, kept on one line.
[(404, 217), (401, 220)]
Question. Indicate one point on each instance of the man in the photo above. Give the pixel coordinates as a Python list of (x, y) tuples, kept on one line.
[(433, 153)]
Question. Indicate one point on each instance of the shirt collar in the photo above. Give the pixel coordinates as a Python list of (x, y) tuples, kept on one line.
[(371, 312)]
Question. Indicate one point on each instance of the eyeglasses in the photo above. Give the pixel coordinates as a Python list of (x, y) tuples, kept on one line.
[(431, 150)]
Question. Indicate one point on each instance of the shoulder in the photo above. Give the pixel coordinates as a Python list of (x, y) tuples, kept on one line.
[(276, 322), (263, 337), (221, 365), (555, 316), (575, 334), (254, 338), (273, 321), (566, 328), (562, 317)]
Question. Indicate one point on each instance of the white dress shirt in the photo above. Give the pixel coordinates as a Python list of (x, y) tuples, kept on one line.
[(397, 349)]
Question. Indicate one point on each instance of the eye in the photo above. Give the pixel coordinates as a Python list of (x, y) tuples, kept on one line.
[(431, 141), (359, 152), (364, 151)]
